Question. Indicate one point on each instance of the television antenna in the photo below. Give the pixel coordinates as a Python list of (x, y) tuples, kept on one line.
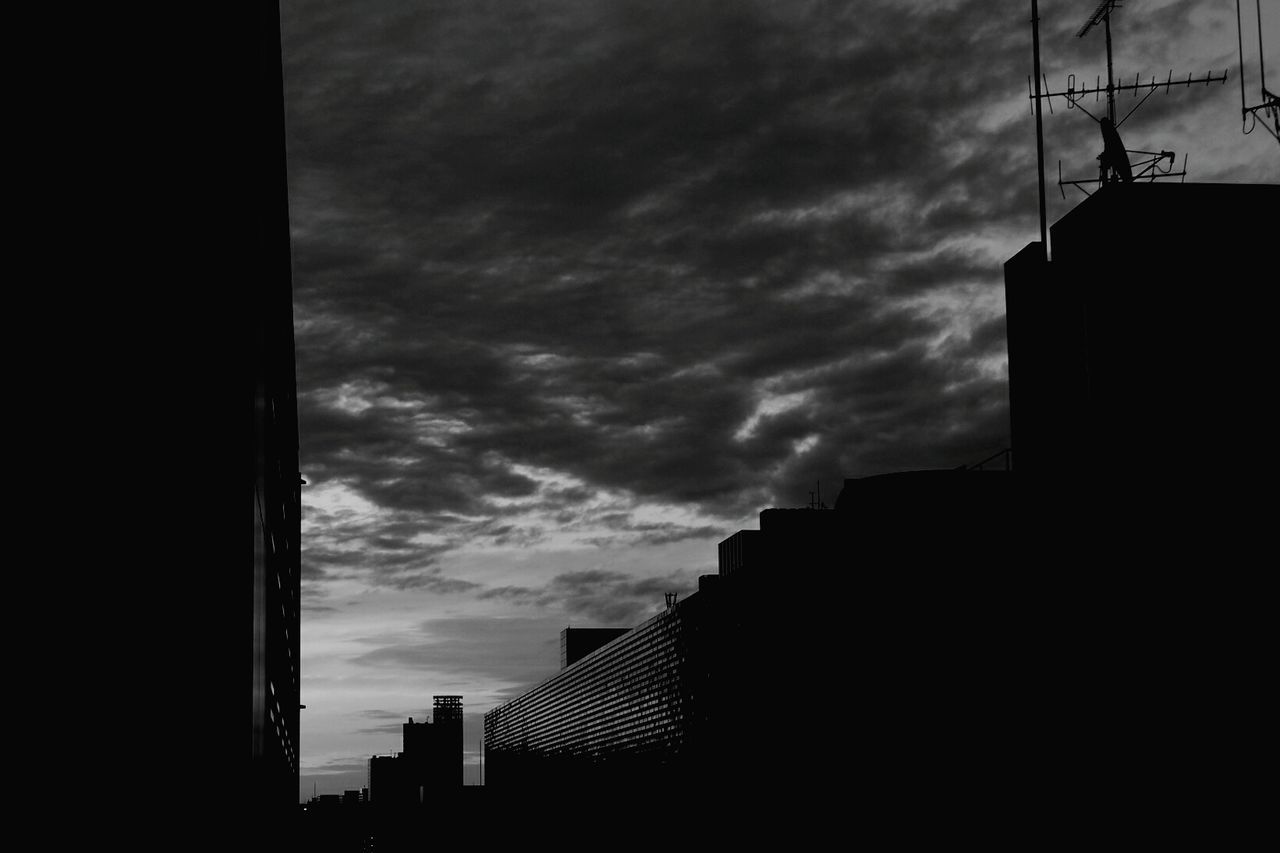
[(1270, 105), (1114, 165)]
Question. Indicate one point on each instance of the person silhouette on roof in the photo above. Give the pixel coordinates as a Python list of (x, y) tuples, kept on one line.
[(1115, 160)]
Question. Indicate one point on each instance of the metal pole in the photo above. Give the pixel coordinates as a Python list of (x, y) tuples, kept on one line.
[(1240, 48), (1262, 65), (1111, 92), (1035, 48)]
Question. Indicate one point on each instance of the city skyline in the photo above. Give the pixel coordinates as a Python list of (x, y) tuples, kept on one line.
[(580, 288)]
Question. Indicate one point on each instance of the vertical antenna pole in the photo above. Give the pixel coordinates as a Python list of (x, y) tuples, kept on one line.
[(1262, 66), (1240, 48), (1035, 49), (1111, 91)]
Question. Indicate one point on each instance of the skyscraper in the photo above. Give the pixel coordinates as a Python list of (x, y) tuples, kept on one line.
[(276, 481)]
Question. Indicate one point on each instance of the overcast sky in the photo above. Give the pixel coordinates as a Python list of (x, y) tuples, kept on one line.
[(581, 286)]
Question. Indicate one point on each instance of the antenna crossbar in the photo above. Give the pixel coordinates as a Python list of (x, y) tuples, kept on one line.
[(1073, 95), (1147, 169), (1103, 10)]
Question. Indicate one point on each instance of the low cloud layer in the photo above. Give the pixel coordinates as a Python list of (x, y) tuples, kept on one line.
[(603, 598)]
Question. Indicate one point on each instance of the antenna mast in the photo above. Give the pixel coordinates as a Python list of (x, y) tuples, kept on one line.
[(1114, 163), (1035, 53), (1270, 105), (1103, 14)]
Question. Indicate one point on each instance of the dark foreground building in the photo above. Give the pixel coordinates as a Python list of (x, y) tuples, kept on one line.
[(849, 603), (577, 643), (975, 637), (1138, 354), (1137, 338), (276, 583)]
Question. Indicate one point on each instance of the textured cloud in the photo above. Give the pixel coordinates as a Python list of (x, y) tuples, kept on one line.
[(603, 597), (505, 649), (588, 237)]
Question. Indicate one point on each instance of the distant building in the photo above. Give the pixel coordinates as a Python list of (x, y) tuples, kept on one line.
[(340, 823), (430, 763)]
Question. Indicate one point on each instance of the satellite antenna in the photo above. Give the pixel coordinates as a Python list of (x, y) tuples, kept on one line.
[(1114, 165), (1270, 105)]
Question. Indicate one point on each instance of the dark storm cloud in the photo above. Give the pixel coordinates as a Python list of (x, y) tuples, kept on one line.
[(504, 649), (634, 533), (377, 550), (594, 238), (987, 338), (605, 597)]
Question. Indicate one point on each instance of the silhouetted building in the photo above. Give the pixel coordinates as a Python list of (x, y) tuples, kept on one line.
[(333, 823), (577, 643), (276, 482), (430, 763), (1136, 359), (1134, 348), (700, 696), (964, 630)]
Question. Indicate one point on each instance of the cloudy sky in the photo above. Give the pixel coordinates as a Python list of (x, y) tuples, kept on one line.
[(583, 285)]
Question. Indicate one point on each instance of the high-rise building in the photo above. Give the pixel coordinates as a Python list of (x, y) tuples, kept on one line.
[(276, 610)]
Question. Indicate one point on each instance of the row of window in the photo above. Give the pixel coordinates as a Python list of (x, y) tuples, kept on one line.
[(633, 696)]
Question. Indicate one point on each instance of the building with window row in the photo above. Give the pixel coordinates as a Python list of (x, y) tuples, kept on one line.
[(705, 692)]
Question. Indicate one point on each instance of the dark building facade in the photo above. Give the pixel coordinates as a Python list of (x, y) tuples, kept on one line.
[(1135, 340), (1136, 357), (1030, 632), (702, 695), (275, 610), (627, 710), (577, 643), (430, 764)]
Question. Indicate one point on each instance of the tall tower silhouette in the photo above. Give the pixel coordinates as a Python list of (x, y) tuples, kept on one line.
[(276, 481)]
